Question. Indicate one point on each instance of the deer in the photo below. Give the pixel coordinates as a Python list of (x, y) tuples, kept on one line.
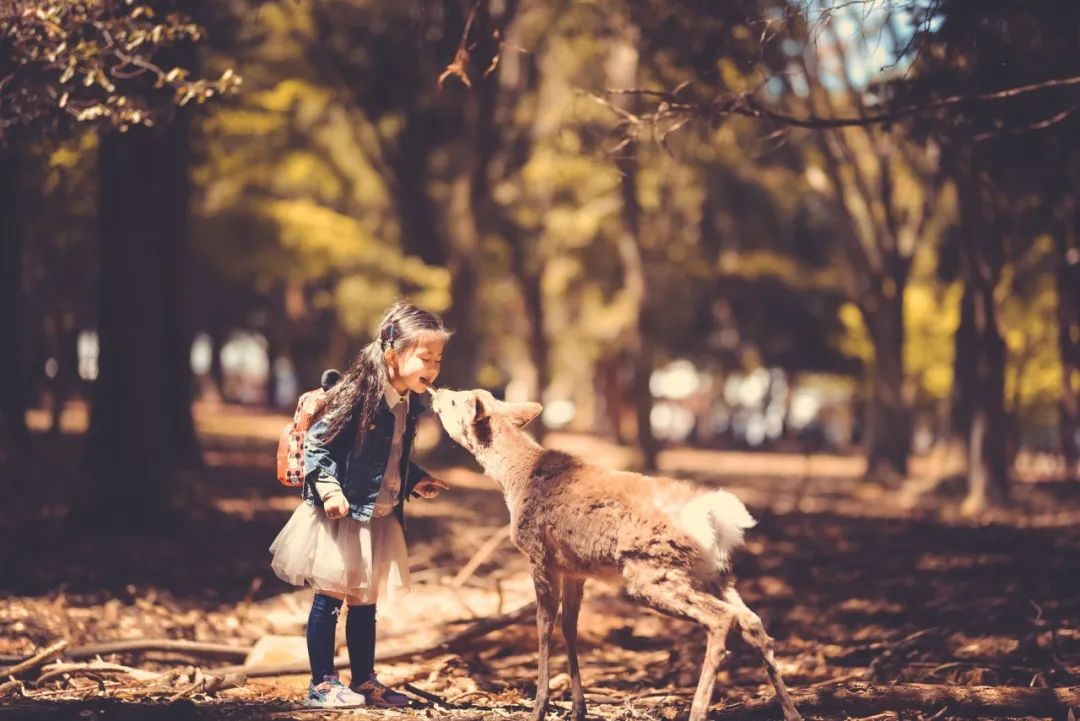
[(667, 541)]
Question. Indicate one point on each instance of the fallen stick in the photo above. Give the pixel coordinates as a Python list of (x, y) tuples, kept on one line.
[(195, 648), (426, 695), (969, 701), (482, 554), (36, 660), (9, 686), (61, 669), (475, 630), (211, 684)]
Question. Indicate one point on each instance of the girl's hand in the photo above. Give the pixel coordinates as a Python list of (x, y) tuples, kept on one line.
[(336, 506), (430, 487)]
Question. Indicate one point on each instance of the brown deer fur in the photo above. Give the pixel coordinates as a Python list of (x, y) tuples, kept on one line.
[(577, 521)]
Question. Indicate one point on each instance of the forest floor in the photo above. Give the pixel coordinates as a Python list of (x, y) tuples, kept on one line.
[(854, 581)]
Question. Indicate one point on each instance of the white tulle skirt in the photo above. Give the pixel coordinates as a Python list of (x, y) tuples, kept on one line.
[(367, 562)]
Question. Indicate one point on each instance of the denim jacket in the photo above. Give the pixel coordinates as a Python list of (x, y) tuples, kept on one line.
[(360, 468)]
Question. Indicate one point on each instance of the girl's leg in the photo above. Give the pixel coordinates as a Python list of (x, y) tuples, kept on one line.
[(360, 637), (321, 627)]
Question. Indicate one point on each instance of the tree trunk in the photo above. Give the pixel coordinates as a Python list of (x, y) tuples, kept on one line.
[(65, 350), (622, 72), (953, 450), (412, 200), (1068, 316), (175, 212), (273, 351), (12, 372), (461, 366), (962, 393), (470, 215), (218, 337), (140, 424), (889, 422), (988, 430), (539, 347)]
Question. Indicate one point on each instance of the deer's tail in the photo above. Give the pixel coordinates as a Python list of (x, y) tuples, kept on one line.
[(717, 521)]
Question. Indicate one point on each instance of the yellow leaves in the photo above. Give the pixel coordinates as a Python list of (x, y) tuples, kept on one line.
[(931, 315), (731, 76), (301, 172), (289, 92), (1033, 372), (856, 340), (326, 242), (240, 121)]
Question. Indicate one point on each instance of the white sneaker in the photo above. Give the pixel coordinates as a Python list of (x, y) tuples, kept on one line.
[(332, 693)]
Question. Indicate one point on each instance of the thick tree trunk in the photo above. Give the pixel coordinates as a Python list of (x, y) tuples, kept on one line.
[(12, 374), (184, 447), (140, 424), (889, 420)]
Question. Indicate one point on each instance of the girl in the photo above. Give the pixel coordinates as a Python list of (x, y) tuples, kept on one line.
[(346, 539)]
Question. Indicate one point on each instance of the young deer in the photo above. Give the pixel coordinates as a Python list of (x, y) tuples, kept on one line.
[(668, 541)]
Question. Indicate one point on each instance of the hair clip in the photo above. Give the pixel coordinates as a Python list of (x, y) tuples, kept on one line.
[(387, 333)]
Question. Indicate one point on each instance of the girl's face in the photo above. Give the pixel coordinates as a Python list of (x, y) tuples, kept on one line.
[(417, 366)]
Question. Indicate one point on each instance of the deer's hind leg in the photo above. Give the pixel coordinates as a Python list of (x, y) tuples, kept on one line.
[(753, 632), (675, 593)]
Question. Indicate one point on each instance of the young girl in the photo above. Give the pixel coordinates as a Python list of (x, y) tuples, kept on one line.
[(346, 539)]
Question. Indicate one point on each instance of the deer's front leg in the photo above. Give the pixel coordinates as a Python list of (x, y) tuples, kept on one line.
[(571, 604), (547, 606)]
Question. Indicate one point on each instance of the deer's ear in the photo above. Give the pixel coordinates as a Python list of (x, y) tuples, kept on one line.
[(521, 414), (482, 411)]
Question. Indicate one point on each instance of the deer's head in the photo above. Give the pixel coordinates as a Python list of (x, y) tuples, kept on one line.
[(473, 418)]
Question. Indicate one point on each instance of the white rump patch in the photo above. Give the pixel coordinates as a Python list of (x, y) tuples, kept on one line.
[(716, 520)]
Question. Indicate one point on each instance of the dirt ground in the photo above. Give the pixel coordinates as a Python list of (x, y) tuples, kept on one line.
[(854, 581)]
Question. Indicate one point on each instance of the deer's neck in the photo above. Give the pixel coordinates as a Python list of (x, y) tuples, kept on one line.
[(510, 458)]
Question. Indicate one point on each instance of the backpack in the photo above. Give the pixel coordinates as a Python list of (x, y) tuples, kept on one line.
[(290, 450)]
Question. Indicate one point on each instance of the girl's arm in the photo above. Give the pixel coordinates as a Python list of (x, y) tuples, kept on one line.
[(319, 461), (328, 488), (318, 458)]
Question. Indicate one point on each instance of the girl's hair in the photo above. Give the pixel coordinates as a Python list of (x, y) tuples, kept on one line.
[(361, 388)]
